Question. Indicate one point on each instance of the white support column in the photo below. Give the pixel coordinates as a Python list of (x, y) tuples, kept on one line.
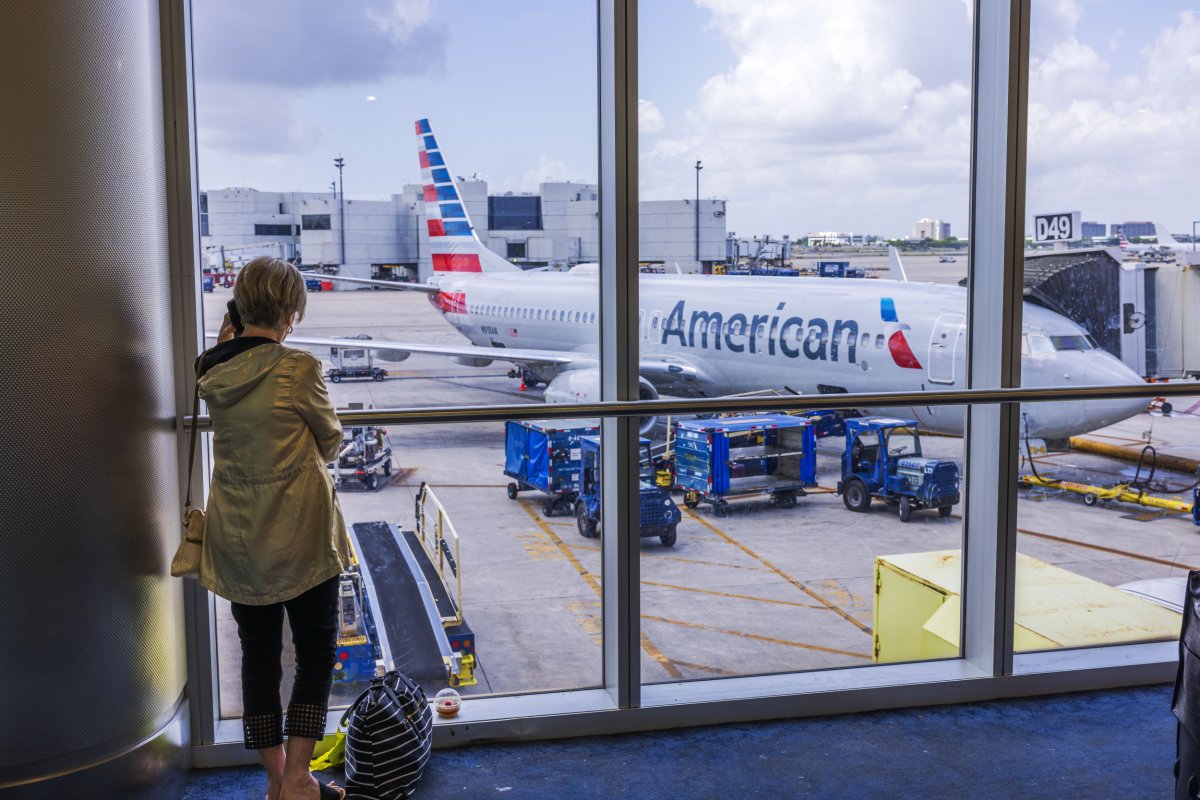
[(997, 231), (617, 54)]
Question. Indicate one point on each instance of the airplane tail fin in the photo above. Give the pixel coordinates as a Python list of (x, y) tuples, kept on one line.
[(1122, 240), (1164, 236), (894, 265), (452, 240)]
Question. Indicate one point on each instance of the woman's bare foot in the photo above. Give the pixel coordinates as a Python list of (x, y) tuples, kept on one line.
[(301, 788)]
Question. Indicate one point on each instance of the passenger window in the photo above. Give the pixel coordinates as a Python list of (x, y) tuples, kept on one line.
[(879, 341), (866, 341)]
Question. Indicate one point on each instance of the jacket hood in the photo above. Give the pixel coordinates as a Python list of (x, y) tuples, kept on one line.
[(227, 383)]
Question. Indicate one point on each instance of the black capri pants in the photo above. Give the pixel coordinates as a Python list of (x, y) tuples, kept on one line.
[(313, 619)]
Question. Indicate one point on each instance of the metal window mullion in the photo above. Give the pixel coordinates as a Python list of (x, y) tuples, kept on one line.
[(183, 225), (617, 86), (997, 235)]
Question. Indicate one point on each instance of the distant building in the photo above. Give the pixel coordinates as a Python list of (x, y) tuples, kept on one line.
[(1094, 230), (557, 227), (1134, 229), (831, 238), (931, 229)]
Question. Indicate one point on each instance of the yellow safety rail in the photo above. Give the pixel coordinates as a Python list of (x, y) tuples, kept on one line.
[(1121, 493), (433, 525)]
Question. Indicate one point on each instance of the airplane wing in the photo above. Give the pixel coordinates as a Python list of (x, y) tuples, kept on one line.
[(480, 356), (406, 287)]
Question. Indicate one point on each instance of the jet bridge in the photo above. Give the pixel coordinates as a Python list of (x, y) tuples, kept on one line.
[(1141, 313)]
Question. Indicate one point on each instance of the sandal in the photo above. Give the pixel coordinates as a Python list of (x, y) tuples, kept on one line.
[(331, 791)]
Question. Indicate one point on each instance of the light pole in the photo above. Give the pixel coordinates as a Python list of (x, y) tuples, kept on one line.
[(340, 162), (698, 168)]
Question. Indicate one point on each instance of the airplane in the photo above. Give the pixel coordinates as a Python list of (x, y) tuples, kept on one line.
[(710, 336), (1167, 244)]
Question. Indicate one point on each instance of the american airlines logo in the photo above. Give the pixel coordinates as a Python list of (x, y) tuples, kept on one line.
[(817, 339)]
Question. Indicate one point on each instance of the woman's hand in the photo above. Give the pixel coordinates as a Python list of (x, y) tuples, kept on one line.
[(227, 331)]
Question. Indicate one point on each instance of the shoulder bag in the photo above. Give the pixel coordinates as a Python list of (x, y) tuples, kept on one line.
[(186, 563)]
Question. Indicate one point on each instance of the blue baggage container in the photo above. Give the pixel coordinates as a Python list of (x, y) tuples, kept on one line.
[(543, 455), (771, 454)]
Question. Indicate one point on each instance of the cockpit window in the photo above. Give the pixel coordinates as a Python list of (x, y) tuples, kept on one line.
[(1080, 342), (1040, 345)]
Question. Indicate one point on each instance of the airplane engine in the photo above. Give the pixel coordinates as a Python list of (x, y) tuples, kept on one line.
[(583, 386), (394, 356), (471, 361)]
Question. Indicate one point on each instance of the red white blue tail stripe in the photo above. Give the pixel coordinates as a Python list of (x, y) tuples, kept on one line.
[(453, 243)]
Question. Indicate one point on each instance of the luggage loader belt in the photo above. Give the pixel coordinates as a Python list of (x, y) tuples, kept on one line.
[(400, 606)]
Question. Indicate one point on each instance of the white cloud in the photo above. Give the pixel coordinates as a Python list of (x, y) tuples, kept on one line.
[(256, 62), (833, 114), (1117, 147), (547, 170), (650, 119)]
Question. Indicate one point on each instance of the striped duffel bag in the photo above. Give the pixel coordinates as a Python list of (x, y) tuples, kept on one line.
[(389, 734)]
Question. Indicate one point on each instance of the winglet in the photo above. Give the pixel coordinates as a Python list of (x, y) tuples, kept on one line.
[(897, 269)]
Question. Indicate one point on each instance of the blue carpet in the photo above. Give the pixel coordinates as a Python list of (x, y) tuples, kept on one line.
[(1112, 744)]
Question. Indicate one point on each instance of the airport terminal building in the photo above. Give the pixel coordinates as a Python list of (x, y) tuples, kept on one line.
[(558, 227)]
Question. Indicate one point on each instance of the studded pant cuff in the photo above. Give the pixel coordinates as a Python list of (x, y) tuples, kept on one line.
[(262, 730), (306, 721)]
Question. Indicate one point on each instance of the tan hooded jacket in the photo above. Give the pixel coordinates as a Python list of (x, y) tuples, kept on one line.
[(274, 527)]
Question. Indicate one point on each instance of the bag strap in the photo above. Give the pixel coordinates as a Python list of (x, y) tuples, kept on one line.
[(187, 504)]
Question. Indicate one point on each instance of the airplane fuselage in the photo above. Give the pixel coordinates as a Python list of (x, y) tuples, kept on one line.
[(718, 335)]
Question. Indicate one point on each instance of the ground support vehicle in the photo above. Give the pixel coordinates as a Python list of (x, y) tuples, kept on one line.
[(363, 456), (353, 362), (658, 514), (883, 459), (414, 582), (357, 638), (740, 456), (543, 455), (1121, 493)]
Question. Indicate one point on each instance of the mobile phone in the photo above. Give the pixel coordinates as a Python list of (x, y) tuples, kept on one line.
[(235, 318)]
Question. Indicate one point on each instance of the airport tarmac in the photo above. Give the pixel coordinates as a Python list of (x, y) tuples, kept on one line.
[(761, 590)]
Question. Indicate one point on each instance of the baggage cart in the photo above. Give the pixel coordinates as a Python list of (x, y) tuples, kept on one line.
[(353, 362), (543, 455), (765, 454), (363, 456)]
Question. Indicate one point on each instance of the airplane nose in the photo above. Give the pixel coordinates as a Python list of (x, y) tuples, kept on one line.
[(1108, 371)]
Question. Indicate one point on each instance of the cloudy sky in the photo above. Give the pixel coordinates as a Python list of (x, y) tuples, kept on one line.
[(808, 116)]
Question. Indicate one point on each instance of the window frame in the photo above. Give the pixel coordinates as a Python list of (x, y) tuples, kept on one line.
[(987, 668)]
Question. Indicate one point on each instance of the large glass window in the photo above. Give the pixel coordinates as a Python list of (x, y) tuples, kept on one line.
[(514, 213), (801, 215), (1105, 515), (321, 146)]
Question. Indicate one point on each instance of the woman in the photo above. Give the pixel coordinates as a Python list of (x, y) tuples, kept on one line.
[(275, 538)]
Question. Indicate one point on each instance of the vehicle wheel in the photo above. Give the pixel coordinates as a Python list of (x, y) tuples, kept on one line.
[(690, 499), (945, 511), (587, 525), (377, 375), (855, 495), (370, 480), (1090, 499), (721, 508), (668, 539), (512, 491), (336, 377), (387, 467), (547, 508), (905, 509), (785, 500)]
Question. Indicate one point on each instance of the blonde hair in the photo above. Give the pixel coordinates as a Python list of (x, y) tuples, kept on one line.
[(268, 291)]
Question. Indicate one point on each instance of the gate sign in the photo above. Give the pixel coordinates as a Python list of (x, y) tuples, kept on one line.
[(1063, 227)]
